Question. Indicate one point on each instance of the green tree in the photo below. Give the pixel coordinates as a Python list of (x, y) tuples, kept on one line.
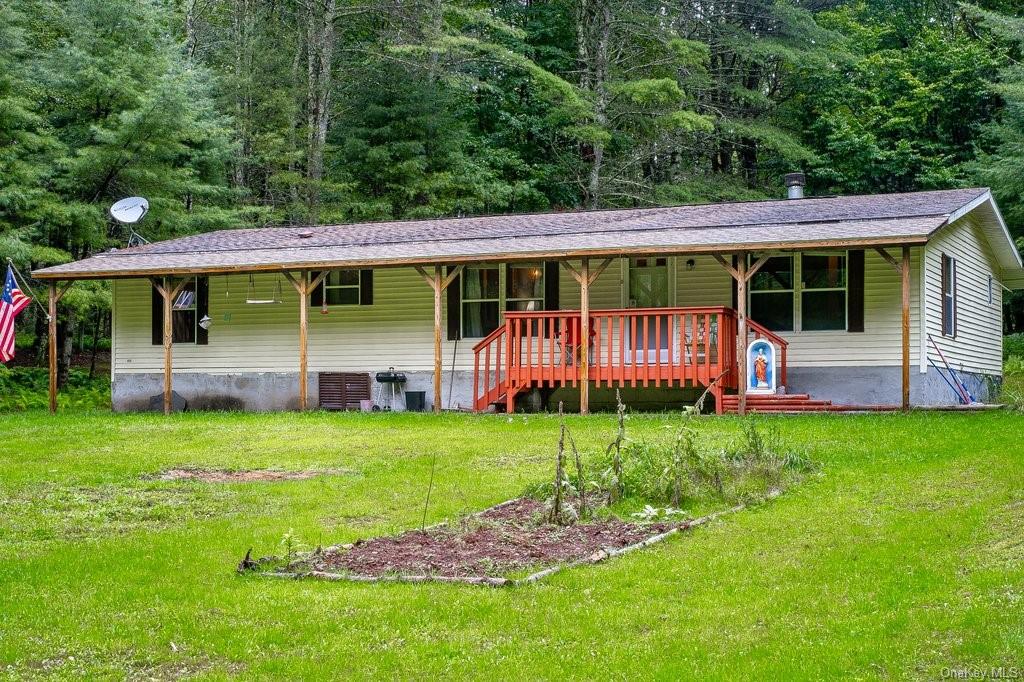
[(902, 105), (1000, 164)]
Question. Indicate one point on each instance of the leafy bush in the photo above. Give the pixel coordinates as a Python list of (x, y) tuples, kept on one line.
[(684, 470), (27, 388), (1013, 346), (1014, 366)]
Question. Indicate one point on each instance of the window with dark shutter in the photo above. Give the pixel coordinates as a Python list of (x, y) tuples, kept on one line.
[(948, 296), (823, 285), (342, 288), (187, 308), (481, 300)]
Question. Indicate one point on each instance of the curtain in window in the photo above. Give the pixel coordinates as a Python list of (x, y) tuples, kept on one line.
[(472, 322)]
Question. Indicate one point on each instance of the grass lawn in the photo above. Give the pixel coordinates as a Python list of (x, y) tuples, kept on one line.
[(904, 557)]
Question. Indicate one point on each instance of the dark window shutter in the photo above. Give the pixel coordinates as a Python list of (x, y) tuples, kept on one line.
[(454, 292), (202, 309), (948, 294), (366, 287), (954, 297), (551, 301), (158, 318), (316, 297), (855, 290)]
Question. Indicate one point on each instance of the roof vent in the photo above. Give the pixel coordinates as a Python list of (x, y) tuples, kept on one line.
[(795, 185), (305, 234)]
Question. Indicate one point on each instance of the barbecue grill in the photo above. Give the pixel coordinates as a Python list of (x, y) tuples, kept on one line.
[(393, 380)]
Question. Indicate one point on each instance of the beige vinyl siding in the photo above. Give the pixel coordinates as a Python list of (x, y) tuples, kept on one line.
[(881, 342), (707, 284), (397, 330), (605, 292), (977, 346)]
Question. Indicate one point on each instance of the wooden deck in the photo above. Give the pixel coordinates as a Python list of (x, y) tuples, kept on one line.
[(634, 347)]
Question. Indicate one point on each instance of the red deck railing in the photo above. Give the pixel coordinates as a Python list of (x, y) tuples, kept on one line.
[(646, 347)]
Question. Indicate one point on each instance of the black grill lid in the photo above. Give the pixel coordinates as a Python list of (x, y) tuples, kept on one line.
[(391, 377)]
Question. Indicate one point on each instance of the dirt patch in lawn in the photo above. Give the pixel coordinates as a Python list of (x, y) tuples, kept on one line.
[(507, 538), (245, 475)]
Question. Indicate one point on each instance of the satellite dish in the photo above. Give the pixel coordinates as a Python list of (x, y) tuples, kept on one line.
[(129, 211)]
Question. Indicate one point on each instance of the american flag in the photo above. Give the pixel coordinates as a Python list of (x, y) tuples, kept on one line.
[(12, 302)]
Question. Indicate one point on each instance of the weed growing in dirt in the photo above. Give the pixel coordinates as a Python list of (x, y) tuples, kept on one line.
[(685, 469)]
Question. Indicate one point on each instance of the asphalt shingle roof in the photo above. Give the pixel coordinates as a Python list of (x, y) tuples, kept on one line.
[(868, 219)]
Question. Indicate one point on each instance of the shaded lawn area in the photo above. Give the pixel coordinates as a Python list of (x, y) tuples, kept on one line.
[(904, 557)]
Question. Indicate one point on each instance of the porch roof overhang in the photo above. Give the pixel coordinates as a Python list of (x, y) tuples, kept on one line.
[(831, 222)]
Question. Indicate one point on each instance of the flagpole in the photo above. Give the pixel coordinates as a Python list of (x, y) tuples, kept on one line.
[(24, 283)]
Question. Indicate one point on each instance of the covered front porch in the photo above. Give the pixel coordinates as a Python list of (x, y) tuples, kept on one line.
[(687, 347), (702, 348)]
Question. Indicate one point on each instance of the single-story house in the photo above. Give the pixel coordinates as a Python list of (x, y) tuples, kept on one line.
[(856, 296)]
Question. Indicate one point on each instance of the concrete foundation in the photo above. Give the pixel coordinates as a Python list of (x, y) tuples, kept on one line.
[(267, 392), (274, 391), (884, 385)]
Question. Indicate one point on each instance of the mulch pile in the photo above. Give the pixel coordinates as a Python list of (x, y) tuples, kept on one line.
[(243, 476), (493, 543)]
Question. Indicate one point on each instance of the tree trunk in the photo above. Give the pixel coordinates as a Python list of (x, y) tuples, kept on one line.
[(191, 39), (65, 341), (97, 318), (593, 31), (40, 344), (319, 53)]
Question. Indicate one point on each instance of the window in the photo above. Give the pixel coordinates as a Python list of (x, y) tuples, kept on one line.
[(991, 287), (183, 314), (481, 301), (341, 287), (948, 296), (771, 294), (190, 304), (485, 290), (524, 287), (823, 291)]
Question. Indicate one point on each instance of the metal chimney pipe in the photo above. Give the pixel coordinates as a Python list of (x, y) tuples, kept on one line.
[(795, 185)]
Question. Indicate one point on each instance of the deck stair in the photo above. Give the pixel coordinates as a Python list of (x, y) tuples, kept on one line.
[(777, 402), (796, 403)]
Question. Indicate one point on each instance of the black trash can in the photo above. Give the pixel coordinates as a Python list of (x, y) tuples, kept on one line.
[(415, 401)]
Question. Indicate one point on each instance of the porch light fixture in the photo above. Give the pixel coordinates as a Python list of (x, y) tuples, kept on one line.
[(690, 264), (205, 322)]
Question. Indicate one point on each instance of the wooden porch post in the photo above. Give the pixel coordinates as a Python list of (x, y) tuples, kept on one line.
[(741, 333), (168, 294), (585, 336), (902, 267), (52, 324), (438, 290), (303, 287), (438, 282), (585, 277), (905, 277), (303, 340)]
